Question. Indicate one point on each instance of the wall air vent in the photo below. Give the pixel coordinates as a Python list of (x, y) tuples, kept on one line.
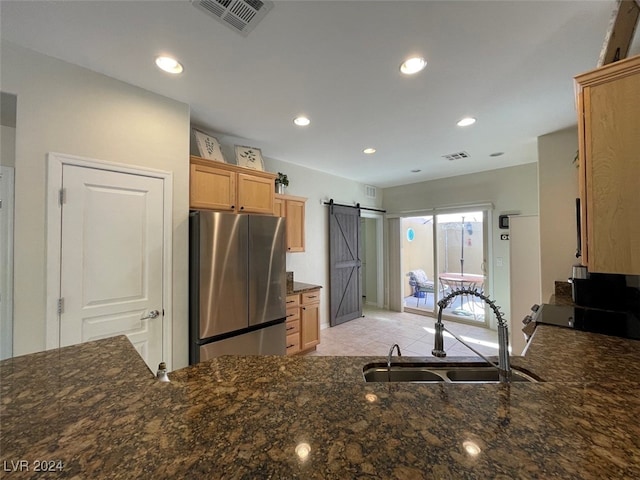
[(370, 191), (456, 156), (239, 15)]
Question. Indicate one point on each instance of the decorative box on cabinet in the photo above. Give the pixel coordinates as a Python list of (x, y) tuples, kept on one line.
[(220, 186), (293, 209), (608, 102)]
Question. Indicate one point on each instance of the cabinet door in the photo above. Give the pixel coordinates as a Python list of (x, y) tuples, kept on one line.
[(295, 225), (309, 319), (255, 194), (611, 173), (211, 188), (278, 207)]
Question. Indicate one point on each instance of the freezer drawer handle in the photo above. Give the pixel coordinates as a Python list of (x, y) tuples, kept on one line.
[(152, 314)]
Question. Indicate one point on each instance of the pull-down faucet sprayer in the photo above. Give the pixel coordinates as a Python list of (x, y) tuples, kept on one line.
[(504, 367)]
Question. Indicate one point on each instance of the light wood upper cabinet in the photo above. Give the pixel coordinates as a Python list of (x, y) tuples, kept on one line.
[(220, 186), (608, 101), (212, 188), (293, 209), (255, 194)]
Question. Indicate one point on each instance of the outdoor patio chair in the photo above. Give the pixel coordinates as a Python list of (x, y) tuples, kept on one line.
[(422, 286)]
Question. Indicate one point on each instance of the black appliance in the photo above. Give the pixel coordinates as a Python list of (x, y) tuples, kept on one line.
[(620, 323)]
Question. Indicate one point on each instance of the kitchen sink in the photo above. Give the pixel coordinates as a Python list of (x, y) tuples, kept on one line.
[(438, 373), (396, 374)]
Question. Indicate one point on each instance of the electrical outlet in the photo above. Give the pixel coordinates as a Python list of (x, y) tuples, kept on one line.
[(499, 262)]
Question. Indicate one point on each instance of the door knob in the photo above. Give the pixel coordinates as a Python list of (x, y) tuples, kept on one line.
[(152, 314)]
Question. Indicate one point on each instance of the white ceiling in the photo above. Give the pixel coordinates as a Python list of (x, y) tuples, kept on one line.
[(510, 64)]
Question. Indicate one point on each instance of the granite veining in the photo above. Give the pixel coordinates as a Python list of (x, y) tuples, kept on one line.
[(97, 408), (300, 287)]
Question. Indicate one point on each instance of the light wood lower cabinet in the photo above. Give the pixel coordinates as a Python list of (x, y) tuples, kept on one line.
[(309, 319), (303, 321)]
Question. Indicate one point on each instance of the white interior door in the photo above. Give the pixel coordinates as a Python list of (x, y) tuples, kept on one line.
[(111, 259)]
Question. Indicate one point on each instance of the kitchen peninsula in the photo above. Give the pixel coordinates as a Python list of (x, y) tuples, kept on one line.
[(98, 410)]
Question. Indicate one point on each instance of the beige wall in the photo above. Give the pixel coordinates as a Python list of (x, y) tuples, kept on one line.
[(513, 189), (68, 109), (7, 146), (558, 177)]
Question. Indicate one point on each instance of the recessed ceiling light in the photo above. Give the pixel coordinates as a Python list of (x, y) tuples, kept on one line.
[(301, 121), (169, 65), (466, 121), (413, 65), (416, 170), (496, 154), (369, 151)]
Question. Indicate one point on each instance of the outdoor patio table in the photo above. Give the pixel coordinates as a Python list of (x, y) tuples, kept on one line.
[(456, 281)]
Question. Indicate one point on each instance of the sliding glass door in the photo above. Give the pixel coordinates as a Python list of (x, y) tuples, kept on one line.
[(443, 253)]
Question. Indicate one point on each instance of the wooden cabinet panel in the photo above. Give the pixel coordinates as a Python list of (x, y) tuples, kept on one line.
[(211, 188), (309, 326), (303, 321), (255, 194), (308, 298), (220, 186), (278, 207), (295, 225), (293, 343), (293, 209), (608, 103)]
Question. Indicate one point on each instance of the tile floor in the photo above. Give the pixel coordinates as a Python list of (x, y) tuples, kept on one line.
[(379, 329)]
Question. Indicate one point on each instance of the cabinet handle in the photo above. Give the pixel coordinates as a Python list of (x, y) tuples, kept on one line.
[(241, 208), (289, 346), (304, 308), (312, 296), (291, 315), (288, 248), (232, 207), (290, 328), (291, 301)]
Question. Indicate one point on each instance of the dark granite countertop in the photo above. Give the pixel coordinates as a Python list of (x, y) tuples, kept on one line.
[(299, 287), (96, 408)]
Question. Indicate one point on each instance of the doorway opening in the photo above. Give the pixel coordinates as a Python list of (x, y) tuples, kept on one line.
[(442, 253)]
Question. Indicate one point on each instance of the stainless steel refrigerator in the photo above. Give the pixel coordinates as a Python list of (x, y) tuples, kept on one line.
[(237, 285)]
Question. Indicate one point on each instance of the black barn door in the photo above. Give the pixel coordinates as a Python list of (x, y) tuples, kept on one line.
[(344, 258)]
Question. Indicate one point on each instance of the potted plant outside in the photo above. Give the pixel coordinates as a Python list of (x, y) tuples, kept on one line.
[(281, 182)]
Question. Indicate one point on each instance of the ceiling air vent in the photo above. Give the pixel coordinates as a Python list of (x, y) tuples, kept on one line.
[(370, 191), (239, 15), (456, 156)]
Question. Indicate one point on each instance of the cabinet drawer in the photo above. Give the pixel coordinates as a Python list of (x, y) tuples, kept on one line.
[(293, 313), (292, 326), (310, 297), (292, 300), (293, 343)]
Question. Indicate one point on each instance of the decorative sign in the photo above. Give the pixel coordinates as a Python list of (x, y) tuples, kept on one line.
[(249, 157)]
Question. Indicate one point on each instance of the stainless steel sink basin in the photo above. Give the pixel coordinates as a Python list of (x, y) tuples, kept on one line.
[(438, 373), (400, 374)]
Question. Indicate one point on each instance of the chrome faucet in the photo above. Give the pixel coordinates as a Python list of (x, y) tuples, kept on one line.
[(396, 346), (504, 367)]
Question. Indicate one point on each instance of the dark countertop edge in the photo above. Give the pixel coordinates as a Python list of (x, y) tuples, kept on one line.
[(299, 287)]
